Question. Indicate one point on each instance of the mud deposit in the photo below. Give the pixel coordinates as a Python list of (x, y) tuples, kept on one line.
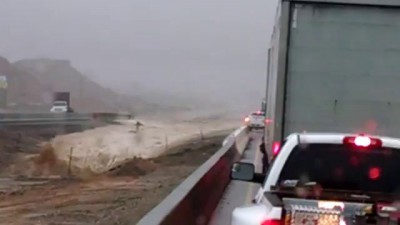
[(121, 196)]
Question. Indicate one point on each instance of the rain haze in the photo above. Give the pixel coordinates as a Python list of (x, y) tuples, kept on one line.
[(213, 50)]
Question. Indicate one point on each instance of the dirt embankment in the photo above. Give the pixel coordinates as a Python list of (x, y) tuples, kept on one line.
[(121, 196), (18, 145), (40, 185), (24, 150)]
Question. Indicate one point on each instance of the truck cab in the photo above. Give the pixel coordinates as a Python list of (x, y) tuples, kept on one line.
[(61, 103), (59, 107)]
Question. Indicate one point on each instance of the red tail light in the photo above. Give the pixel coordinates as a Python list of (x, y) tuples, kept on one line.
[(268, 121), (362, 141), (276, 147), (271, 222)]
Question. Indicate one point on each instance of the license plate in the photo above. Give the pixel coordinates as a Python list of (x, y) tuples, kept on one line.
[(314, 216)]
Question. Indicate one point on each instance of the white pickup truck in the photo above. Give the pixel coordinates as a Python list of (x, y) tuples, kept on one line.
[(322, 178)]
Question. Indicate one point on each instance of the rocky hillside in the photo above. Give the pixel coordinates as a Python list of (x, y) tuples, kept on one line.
[(22, 87), (59, 75), (33, 82)]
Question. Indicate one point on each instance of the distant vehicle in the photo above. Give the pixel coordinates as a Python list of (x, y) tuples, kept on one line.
[(255, 120), (61, 103), (322, 174), (59, 107)]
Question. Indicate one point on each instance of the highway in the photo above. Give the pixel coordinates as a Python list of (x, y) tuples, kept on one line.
[(239, 193)]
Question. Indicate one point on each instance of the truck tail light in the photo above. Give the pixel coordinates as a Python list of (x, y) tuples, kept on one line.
[(276, 147), (271, 222), (268, 121), (362, 141)]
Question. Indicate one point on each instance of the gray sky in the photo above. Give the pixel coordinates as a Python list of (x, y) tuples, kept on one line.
[(215, 49)]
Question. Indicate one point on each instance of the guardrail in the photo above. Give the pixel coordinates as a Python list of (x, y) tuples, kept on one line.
[(14, 119), (196, 198), (15, 116), (112, 116)]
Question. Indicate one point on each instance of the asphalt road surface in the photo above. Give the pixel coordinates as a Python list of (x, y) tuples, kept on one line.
[(239, 193)]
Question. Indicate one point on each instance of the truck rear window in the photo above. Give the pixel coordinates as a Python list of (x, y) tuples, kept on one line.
[(341, 167)]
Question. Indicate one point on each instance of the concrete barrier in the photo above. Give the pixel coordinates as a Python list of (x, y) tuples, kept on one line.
[(195, 199), (229, 139), (241, 140)]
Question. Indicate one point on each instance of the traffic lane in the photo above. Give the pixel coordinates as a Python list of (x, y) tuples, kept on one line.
[(239, 193)]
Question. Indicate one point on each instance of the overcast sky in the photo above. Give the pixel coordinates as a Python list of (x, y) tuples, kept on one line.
[(215, 49)]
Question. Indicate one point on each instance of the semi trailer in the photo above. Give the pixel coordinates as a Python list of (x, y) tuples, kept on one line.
[(334, 66)]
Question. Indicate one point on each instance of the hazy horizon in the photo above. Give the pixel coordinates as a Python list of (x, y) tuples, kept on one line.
[(212, 50)]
